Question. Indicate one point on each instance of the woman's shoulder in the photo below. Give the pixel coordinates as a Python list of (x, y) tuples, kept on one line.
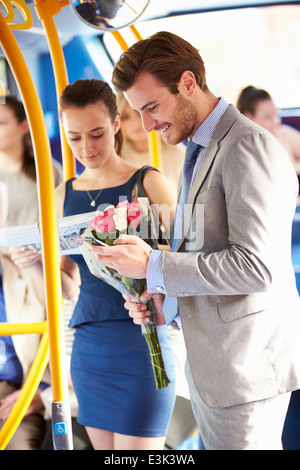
[(157, 187), (61, 187), (153, 175)]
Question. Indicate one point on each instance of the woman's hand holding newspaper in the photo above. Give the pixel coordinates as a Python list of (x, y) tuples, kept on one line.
[(24, 257)]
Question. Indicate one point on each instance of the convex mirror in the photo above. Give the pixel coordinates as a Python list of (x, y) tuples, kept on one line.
[(108, 15)]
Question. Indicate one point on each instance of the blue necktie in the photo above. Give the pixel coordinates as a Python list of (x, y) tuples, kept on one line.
[(170, 307), (191, 154)]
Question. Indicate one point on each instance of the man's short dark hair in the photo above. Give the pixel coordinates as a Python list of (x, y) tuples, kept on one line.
[(164, 55)]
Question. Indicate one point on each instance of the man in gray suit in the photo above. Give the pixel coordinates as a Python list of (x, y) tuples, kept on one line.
[(230, 269)]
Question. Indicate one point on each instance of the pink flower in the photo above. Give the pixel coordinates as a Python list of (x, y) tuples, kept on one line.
[(122, 204), (104, 221), (134, 214)]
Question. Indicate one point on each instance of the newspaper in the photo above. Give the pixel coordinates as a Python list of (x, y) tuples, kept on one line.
[(29, 236)]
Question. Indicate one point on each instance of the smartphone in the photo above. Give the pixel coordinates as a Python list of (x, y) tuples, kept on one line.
[(94, 241)]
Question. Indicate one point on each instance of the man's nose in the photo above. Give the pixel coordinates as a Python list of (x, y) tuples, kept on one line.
[(148, 123)]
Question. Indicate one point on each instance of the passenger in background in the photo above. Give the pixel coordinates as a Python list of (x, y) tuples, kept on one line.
[(135, 150), (257, 105), (135, 144), (21, 292), (17, 165)]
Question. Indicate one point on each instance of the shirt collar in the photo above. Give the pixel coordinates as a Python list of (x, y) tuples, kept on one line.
[(205, 131)]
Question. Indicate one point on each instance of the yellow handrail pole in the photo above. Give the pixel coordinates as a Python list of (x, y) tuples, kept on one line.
[(45, 181), (28, 390), (121, 41), (153, 138), (7, 329), (23, 8), (32, 380), (137, 34), (10, 11), (45, 11), (155, 149)]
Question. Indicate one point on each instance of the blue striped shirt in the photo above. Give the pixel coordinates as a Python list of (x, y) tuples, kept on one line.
[(202, 137)]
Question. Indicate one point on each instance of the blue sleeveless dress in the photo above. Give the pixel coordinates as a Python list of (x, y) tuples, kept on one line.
[(110, 365)]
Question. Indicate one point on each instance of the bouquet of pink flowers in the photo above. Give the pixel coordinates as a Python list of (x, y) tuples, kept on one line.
[(133, 218)]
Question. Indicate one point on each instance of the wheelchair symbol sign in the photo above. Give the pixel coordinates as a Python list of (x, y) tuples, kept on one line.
[(60, 428)]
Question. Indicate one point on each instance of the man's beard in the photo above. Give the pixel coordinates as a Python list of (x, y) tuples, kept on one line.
[(184, 120)]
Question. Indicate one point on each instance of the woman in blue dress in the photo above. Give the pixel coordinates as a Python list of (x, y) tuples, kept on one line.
[(110, 366)]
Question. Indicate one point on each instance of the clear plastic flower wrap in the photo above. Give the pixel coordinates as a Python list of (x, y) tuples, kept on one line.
[(133, 218)]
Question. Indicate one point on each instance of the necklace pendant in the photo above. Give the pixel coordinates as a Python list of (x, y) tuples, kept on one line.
[(93, 203)]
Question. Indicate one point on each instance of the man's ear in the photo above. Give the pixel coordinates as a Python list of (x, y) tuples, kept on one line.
[(187, 83)]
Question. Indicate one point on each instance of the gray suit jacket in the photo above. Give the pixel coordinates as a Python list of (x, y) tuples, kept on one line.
[(232, 273)]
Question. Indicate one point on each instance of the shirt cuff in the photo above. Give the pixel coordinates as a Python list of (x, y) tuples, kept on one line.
[(155, 282)]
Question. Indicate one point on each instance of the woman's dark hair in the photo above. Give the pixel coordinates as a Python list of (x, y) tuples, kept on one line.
[(85, 92), (28, 156), (249, 98), (165, 56)]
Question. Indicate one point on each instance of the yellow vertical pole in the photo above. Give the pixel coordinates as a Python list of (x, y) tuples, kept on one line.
[(121, 41), (48, 220), (155, 149), (136, 32), (45, 11)]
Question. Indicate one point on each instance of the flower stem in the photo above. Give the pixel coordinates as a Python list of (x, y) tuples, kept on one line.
[(150, 333)]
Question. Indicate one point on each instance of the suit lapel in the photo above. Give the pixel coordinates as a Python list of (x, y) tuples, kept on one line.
[(205, 165)]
